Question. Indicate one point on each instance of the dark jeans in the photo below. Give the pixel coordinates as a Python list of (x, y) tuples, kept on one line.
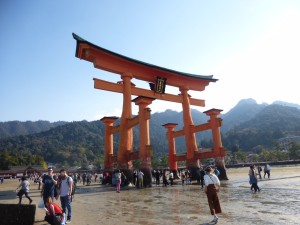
[(66, 204), (254, 185), (267, 172), (202, 182), (26, 195)]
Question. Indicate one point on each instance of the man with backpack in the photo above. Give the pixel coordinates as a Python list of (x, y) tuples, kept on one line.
[(66, 191)]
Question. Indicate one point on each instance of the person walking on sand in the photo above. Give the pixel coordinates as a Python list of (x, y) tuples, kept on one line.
[(118, 177), (202, 174), (66, 185), (212, 187), (24, 190), (267, 170), (259, 169), (48, 185), (140, 179), (182, 178), (165, 180), (253, 179), (171, 177), (157, 177)]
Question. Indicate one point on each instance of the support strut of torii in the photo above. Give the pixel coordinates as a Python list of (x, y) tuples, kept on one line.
[(158, 78)]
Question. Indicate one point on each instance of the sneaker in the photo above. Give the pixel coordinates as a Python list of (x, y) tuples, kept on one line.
[(216, 220), (68, 221)]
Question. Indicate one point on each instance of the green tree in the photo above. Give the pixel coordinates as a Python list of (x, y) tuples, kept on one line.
[(4, 160), (294, 151), (241, 156), (265, 155)]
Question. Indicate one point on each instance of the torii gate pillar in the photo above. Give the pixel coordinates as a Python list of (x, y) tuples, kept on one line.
[(109, 143), (145, 149), (190, 139), (172, 149), (126, 136), (215, 123)]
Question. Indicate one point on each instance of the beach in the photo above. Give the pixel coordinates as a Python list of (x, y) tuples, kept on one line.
[(277, 203)]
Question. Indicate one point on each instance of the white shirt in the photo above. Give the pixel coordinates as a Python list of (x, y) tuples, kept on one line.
[(140, 175), (25, 185), (211, 179), (64, 186), (118, 176)]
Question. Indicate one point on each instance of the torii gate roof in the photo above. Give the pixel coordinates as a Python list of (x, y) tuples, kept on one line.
[(116, 63)]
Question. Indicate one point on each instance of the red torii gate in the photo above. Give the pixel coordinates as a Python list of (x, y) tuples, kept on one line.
[(158, 77)]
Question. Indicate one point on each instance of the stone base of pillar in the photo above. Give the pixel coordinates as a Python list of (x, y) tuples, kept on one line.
[(220, 164), (146, 168), (147, 181), (128, 174), (193, 166), (126, 168)]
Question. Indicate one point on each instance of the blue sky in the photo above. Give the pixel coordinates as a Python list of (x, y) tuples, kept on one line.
[(252, 47)]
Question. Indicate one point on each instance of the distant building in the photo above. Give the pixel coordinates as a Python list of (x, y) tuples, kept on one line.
[(284, 143), (19, 171)]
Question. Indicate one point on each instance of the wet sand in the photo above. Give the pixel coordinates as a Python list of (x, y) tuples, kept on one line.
[(277, 203)]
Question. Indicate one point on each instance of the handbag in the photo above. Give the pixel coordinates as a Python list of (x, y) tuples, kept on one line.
[(216, 187), (41, 204), (21, 192)]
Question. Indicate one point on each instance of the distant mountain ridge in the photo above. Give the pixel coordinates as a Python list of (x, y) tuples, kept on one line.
[(248, 125), (271, 123), (286, 104), (245, 110), (15, 128)]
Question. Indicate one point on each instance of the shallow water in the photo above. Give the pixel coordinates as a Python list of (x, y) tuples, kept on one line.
[(277, 203)]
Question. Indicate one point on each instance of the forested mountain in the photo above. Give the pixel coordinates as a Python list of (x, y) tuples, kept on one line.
[(15, 128), (245, 110), (73, 143), (286, 104), (270, 124), (247, 125)]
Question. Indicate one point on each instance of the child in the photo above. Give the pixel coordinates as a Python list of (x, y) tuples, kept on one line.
[(55, 215)]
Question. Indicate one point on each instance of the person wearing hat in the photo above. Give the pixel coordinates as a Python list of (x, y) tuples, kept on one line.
[(212, 187)]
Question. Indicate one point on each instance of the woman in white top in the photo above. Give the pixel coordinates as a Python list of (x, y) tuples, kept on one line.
[(118, 176), (212, 187), (24, 190)]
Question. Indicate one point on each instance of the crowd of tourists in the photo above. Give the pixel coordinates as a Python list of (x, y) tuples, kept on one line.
[(61, 186), (53, 186)]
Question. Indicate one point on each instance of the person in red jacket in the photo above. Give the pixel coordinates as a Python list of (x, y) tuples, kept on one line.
[(55, 214)]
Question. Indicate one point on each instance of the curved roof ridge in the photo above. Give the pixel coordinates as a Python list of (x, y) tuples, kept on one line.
[(81, 40)]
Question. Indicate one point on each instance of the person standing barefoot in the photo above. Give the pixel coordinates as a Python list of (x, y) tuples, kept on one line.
[(212, 187)]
